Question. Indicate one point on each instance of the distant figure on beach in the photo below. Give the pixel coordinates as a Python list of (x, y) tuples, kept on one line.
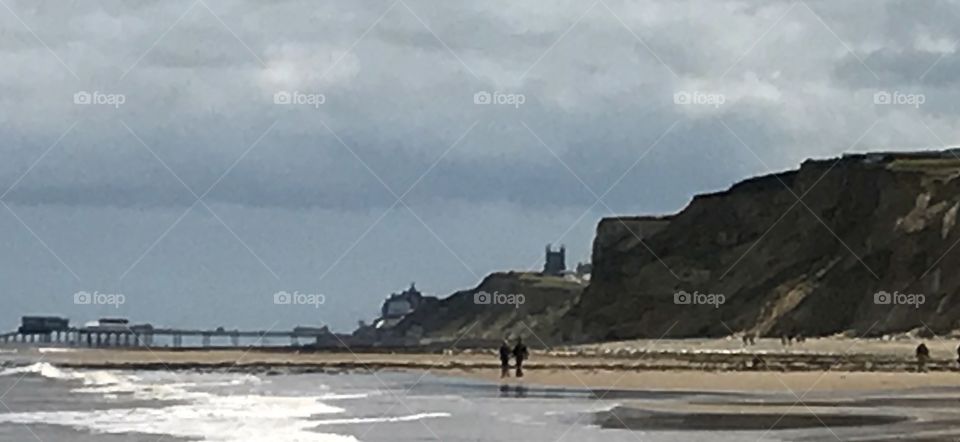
[(504, 359), (757, 363), (520, 353), (958, 354), (923, 354)]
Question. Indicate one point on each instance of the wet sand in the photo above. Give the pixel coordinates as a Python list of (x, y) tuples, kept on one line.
[(691, 365), (667, 389), (646, 420), (734, 381)]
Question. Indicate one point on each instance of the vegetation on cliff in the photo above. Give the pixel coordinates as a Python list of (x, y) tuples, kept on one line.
[(491, 312)]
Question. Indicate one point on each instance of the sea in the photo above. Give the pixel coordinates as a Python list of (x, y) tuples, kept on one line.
[(41, 402)]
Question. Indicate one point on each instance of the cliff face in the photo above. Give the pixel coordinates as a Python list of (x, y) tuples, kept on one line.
[(465, 316), (866, 224)]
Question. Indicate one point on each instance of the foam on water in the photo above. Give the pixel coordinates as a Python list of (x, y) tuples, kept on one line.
[(40, 368), (250, 418), (193, 415), (56, 350), (336, 397), (372, 420), (104, 382)]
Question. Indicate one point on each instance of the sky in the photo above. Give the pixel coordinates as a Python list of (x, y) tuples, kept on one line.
[(201, 157)]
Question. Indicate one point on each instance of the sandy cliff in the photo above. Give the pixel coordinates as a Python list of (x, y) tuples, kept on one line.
[(803, 251)]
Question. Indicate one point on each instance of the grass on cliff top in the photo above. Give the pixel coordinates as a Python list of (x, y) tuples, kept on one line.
[(547, 281), (926, 165)]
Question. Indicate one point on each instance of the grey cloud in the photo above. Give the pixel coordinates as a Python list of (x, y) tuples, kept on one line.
[(400, 98)]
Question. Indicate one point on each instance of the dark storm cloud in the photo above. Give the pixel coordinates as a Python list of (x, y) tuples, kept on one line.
[(199, 86)]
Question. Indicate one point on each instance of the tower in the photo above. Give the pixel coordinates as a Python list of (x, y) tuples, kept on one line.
[(555, 262)]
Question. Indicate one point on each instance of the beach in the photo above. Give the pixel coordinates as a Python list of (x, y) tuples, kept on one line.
[(858, 362), (673, 390)]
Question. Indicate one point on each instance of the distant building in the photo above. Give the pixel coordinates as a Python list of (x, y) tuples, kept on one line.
[(399, 305), (108, 325), (584, 269), (307, 330), (43, 324), (555, 262)]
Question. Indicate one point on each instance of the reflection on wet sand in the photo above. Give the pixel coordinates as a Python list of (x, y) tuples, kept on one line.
[(638, 419), (916, 415)]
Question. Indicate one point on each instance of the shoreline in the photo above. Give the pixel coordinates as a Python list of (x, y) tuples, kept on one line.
[(669, 371), (907, 405), (613, 383)]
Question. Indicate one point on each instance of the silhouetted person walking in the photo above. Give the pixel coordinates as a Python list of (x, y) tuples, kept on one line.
[(520, 353), (504, 359), (923, 354)]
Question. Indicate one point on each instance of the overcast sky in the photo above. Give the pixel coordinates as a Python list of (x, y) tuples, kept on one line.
[(148, 147)]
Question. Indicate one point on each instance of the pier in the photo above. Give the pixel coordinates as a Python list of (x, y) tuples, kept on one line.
[(129, 338), (118, 333)]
